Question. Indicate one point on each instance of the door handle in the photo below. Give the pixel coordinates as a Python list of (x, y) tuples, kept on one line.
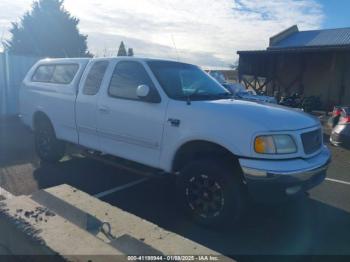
[(174, 122), (104, 109)]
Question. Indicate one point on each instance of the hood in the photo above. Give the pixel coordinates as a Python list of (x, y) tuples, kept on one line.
[(270, 116)]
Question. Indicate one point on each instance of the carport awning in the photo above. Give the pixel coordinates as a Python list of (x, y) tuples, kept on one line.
[(272, 50), (262, 62)]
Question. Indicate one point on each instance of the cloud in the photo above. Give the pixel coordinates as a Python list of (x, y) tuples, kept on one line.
[(11, 12), (204, 32), (110, 44)]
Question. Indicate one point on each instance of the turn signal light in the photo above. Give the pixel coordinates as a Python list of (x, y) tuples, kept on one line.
[(264, 145), (259, 145)]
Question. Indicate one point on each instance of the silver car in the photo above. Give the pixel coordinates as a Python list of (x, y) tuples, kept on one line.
[(239, 91)]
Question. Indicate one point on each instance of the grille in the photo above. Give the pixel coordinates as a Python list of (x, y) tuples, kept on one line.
[(312, 141)]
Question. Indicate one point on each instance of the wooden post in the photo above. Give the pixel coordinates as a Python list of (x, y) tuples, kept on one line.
[(332, 77), (239, 70), (342, 78), (255, 82), (301, 74), (275, 74)]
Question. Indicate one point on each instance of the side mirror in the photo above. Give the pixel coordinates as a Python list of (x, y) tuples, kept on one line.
[(145, 93)]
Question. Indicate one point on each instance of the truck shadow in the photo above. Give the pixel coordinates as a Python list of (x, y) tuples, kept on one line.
[(305, 226), (88, 175), (16, 143)]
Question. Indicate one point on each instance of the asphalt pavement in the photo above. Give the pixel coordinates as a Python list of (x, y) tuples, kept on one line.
[(314, 225)]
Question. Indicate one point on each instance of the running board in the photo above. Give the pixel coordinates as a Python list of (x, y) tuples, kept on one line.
[(124, 164)]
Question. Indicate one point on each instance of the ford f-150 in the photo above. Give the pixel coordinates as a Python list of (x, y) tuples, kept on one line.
[(175, 118)]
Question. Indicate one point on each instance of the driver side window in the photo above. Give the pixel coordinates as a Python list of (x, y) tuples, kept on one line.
[(127, 76)]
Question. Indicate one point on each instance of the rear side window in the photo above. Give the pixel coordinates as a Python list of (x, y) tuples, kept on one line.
[(43, 73), (58, 74), (94, 78), (127, 76), (64, 74)]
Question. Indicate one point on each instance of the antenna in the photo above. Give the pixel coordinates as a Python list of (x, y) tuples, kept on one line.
[(177, 53)]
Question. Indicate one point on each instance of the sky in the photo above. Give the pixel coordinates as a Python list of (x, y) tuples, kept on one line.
[(203, 32)]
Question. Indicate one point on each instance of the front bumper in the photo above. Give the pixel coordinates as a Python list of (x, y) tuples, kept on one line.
[(274, 180)]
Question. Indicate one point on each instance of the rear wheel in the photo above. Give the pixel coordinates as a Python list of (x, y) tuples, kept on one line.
[(211, 192), (47, 146)]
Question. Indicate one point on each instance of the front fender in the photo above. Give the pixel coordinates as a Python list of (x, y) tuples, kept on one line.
[(172, 147)]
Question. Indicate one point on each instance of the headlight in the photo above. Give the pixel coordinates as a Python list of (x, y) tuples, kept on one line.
[(275, 144)]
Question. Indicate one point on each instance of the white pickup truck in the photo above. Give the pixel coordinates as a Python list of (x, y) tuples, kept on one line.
[(175, 118)]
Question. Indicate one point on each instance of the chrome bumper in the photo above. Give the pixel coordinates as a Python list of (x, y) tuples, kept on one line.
[(303, 174), (282, 178)]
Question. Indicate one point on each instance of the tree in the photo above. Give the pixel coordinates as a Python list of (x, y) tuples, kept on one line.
[(130, 52), (122, 50), (48, 30)]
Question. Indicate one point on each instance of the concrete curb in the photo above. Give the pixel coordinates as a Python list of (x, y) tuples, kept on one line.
[(28, 228), (5, 194), (72, 224)]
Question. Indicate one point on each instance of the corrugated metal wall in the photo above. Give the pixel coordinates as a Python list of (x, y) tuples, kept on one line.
[(12, 71)]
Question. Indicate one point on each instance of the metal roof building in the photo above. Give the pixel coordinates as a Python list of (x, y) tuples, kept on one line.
[(313, 63)]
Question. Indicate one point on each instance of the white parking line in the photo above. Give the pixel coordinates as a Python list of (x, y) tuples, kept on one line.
[(5, 194), (120, 188), (338, 181)]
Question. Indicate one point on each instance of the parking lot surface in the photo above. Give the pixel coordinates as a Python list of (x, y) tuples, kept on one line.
[(314, 225)]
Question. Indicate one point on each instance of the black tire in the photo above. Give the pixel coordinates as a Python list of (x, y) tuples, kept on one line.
[(47, 146), (220, 203)]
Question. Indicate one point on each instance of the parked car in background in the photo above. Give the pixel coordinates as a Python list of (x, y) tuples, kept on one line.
[(175, 119), (336, 113), (341, 132), (239, 91)]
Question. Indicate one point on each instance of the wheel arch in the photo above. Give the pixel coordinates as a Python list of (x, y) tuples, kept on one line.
[(195, 149), (39, 116)]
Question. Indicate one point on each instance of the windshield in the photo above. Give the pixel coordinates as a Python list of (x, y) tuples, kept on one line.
[(219, 76), (238, 89), (183, 81)]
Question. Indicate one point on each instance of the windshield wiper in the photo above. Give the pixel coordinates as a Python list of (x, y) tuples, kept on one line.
[(227, 94), (196, 93), (190, 96), (220, 96)]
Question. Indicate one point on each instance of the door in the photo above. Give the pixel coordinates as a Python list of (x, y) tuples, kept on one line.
[(127, 126), (86, 104)]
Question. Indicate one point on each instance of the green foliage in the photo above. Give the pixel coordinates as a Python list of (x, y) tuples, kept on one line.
[(122, 50), (130, 52), (48, 30)]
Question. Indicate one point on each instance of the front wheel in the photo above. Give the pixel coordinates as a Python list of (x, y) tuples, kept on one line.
[(211, 192), (47, 146)]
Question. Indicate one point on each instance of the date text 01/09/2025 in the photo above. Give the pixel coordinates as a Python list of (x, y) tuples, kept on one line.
[(173, 258)]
